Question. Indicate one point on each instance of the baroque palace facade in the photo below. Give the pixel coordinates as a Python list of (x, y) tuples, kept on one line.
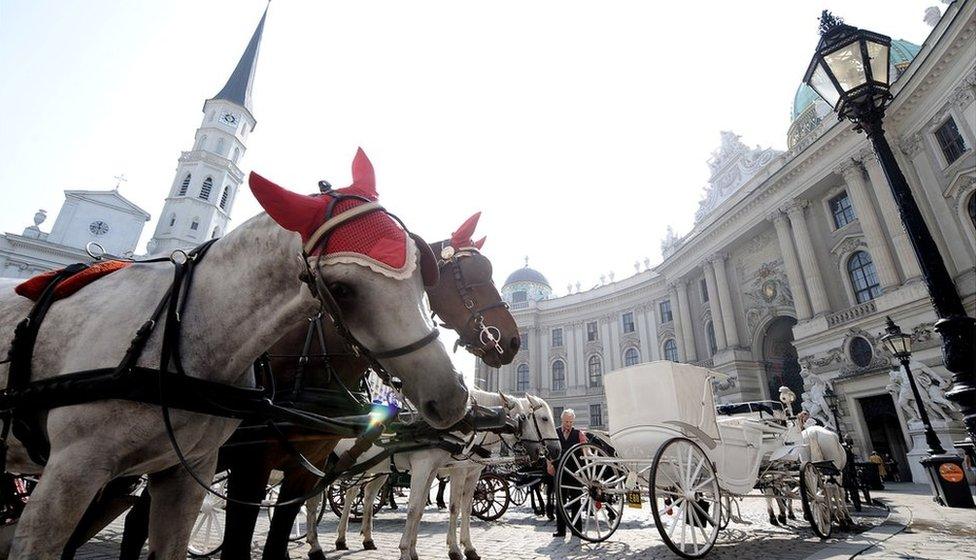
[(793, 263)]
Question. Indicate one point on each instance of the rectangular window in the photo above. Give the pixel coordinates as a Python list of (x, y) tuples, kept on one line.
[(665, 307), (557, 412), (591, 334), (596, 415), (627, 322), (950, 141), (841, 210), (703, 286), (557, 338)]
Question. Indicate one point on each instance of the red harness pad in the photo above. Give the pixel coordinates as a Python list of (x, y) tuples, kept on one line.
[(33, 288)]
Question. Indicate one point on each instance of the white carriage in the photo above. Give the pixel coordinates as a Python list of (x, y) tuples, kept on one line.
[(667, 440)]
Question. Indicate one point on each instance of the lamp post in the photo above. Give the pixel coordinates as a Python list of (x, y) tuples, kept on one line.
[(948, 477), (850, 72), (831, 397)]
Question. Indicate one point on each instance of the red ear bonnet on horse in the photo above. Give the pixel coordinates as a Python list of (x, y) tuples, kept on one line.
[(372, 239), (462, 237), (480, 243)]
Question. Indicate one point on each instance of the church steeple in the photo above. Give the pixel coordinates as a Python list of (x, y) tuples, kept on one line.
[(238, 87), (207, 177)]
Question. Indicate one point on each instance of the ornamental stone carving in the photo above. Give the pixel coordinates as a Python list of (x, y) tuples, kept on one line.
[(732, 165), (670, 243), (910, 145), (814, 397), (932, 387), (767, 295)]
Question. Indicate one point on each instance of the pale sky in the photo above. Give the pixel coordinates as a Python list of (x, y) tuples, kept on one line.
[(579, 129)]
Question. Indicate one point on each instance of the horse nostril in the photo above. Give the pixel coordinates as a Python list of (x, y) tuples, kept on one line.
[(516, 342)]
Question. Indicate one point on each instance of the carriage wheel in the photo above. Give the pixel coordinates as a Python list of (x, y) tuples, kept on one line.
[(726, 513), (816, 500), (685, 498), (519, 494), (491, 497), (336, 495), (589, 494), (207, 535)]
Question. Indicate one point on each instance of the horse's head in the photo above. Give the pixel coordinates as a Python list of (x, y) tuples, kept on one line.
[(369, 274), (466, 300), (536, 429)]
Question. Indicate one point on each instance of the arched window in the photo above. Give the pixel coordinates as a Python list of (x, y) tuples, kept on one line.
[(220, 146), (595, 369), (710, 335), (195, 224), (522, 378), (172, 219), (558, 376), (671, 350), (202, 144), (184, 185), (863, 277), (224, 197), (206, 188), (971, 207), (237, 154), (631, 357)]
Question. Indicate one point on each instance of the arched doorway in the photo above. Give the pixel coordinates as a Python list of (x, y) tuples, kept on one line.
[(779, 359)]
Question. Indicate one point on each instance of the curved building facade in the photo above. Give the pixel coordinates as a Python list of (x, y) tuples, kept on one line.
[(793, 263)]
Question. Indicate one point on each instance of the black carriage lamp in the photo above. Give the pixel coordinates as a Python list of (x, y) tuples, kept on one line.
[(850, 71), (945, 470)]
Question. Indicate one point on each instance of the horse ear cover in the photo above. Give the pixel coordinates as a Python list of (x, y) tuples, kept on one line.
[(462, 237), (480, 243), (292, 211)]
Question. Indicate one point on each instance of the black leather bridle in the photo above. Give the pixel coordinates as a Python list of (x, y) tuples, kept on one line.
[(489, 336)]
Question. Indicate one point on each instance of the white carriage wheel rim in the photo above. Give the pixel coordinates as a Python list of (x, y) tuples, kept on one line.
[(586, 473), (210, 521), (689, 471), (818, 499)]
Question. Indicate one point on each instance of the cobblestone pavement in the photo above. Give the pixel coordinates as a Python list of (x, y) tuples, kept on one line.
[(519, 534)]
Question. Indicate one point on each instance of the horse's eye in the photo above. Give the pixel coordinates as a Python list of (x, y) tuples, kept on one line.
[(341, 291)]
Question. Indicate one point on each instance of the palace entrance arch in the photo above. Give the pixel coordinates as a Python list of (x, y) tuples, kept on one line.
[(779, 359)]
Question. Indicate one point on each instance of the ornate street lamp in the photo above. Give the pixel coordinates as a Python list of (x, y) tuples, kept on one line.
[(850, 72), (948, 477)]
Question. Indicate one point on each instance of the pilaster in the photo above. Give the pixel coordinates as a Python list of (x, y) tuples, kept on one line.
[(718, 321), (793, 273), (864, 210), (687, 329), (808, 259), (725, 299)]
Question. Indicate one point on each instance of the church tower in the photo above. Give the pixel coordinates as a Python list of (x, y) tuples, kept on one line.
[(207, 177)]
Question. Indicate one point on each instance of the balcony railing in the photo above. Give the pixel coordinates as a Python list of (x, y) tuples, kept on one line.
[(852, 313)]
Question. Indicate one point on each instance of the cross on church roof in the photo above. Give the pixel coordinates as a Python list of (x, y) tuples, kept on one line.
[(119, 179)]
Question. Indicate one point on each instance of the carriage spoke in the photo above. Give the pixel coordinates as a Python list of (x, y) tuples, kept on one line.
[(703, 512), (703, 484), (674, 520)]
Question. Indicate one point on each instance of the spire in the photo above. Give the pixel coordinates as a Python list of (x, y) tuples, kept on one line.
[(238, 86)]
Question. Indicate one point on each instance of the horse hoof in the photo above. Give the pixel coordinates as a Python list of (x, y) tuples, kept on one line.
[(369, 545), (772, 520), (316, 555), (454, 555), (782, 519), (472, 555), (341, 545), (791, 516)]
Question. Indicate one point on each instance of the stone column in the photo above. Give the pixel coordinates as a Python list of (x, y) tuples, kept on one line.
[(889, 210), (792, 265), (718, 321), (679, 335), (640, 321), (808, 259), (687, 329), (606, 342), (864, 210), (725, 298), (569, 340)]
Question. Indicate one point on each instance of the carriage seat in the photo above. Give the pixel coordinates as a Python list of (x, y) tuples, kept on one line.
[(34, 287)]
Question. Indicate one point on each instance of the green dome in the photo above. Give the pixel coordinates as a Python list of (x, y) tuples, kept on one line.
[(902, 52)]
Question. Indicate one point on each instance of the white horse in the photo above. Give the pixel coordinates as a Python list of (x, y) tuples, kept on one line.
[(246, 292), (537, 432)]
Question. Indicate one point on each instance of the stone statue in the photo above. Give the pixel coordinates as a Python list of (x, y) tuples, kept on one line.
[(933, 386), (814, 399), (901, 392)]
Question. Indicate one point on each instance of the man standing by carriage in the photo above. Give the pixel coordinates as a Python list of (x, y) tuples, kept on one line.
[(568, 437)]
